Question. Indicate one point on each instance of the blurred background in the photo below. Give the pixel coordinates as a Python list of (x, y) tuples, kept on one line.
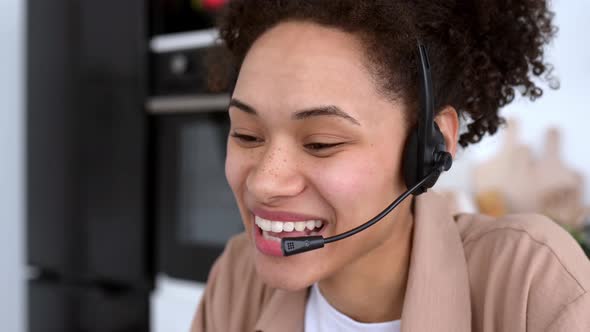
[(113, 203)]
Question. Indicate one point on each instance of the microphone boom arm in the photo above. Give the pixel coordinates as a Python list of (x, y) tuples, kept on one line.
[(296, 245)]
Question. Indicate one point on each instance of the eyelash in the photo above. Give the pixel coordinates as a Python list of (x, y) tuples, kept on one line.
[(311, 146), (246, 138)]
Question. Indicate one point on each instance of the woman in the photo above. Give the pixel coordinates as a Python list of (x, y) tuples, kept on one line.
[(326, 97)]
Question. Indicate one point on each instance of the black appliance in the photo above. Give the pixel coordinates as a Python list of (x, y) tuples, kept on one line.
[(195, 208), (103, 152), (88, 231)]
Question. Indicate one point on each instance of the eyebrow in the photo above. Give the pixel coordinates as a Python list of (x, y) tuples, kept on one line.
[(328, 110)]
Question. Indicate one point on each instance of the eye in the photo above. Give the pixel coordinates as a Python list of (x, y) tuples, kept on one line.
[(320, 146), (246, 139)]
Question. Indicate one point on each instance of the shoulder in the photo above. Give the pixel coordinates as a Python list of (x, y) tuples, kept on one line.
[(529, 263), (235, 268), (237, 254), (532, 234), (234, 295)]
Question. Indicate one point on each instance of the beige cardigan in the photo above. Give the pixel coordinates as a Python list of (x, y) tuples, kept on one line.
[(467, 273)]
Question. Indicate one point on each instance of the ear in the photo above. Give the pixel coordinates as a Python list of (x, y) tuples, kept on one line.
[(448, 122)]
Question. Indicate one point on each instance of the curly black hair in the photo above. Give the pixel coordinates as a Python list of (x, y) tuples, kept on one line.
[(481, 51)]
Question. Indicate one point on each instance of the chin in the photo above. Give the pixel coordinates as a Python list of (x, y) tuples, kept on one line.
[(278, 272)]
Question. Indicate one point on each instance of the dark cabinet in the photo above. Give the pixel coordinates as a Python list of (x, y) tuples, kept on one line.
[(88, 211), (82, 308)]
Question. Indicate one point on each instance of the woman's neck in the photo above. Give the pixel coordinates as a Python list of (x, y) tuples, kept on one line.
[(372, 289)]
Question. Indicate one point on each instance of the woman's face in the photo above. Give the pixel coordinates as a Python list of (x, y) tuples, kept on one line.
[(313, 143)]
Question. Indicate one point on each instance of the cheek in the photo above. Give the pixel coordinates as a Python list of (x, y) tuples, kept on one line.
[(345, 179), (236, 171), (361, 185), (353, 181), (232, 170), (236, 167)]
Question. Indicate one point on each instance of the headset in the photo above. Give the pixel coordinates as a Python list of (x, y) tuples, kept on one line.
[(425, 158)]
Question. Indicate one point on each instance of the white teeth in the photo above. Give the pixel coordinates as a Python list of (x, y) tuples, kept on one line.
[(287, 226), (277, 226), (300, 226), (264, 224)]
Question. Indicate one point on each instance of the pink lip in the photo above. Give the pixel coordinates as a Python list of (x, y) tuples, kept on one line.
[(266, 246), (284, 216)]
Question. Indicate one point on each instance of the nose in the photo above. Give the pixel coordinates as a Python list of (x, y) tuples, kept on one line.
[(275, 177)]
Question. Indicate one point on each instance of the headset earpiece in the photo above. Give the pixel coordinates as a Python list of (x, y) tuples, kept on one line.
[(436, 155), (425, 147)]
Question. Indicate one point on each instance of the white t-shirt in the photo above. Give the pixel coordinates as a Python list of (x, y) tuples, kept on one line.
[(320, 316)]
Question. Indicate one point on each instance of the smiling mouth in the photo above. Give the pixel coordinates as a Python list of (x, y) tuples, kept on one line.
[(276, 230)]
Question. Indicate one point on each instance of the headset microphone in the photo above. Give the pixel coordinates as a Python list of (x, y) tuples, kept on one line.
[(425, 158)]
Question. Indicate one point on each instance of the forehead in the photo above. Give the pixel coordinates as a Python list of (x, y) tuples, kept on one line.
[(302, 62)]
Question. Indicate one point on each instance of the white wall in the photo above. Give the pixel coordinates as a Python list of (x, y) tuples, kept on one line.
[(567, 108), (174, 303), (11, 166)]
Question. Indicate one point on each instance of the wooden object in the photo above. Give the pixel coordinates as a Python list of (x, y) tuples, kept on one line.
[(531, 185)]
